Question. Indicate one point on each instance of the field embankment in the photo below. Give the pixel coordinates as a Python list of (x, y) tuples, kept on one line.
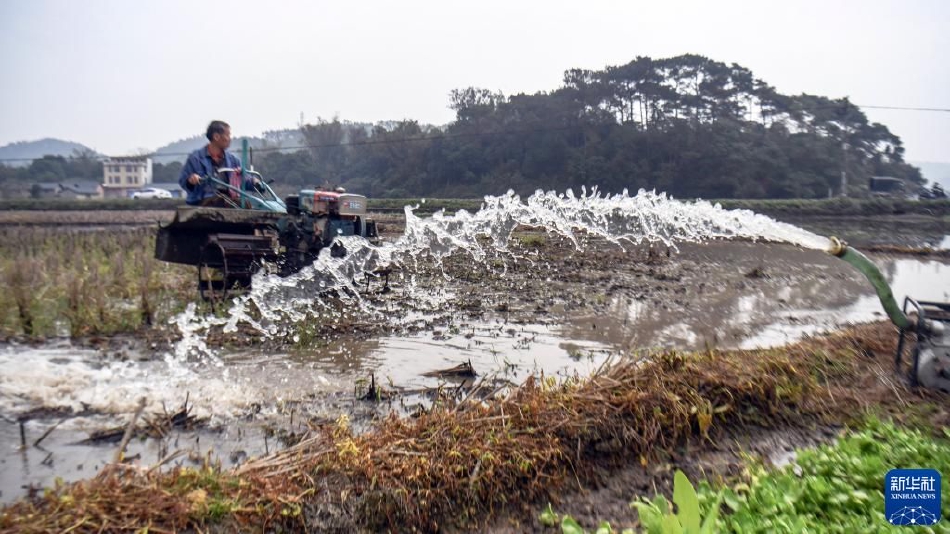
[(466, 462)]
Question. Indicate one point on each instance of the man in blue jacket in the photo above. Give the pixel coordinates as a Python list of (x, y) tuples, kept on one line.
[(205, 162)]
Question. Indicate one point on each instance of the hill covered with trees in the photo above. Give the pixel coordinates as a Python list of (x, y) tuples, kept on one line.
[(687, 125), (20, 154)]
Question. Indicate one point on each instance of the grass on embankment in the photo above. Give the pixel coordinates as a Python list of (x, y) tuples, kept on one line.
[(463, 463)]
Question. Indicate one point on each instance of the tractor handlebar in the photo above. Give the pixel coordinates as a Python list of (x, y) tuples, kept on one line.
[(255, 174), (260, 195)]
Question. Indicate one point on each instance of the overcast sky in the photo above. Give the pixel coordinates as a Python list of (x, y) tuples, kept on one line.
[(123, 75)]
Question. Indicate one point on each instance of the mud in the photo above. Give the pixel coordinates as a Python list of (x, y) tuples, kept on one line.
[(717, 294), (545, 306), (722, 458)]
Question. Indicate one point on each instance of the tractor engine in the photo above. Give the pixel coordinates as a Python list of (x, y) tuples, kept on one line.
[(315, 218)]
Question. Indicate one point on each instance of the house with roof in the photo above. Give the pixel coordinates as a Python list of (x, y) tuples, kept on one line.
[(122, 175), (44, 190), (80, 189)]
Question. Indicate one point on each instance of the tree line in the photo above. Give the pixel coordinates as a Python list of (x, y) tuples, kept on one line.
[(686, 125)]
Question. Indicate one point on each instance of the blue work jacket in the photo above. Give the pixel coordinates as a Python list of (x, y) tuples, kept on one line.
[(200, 163)]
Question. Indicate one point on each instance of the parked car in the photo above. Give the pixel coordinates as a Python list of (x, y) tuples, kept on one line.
[(886, 186), (151, 192)]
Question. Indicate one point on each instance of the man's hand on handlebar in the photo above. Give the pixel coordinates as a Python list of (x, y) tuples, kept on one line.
[(196, 179)]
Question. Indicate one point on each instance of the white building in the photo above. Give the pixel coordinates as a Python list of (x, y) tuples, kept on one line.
[(124, 174)]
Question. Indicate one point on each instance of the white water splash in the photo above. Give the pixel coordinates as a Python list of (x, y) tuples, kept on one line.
[(78, 380), (275, 305)]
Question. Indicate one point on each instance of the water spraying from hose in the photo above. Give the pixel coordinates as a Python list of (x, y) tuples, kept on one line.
[(275, 305)]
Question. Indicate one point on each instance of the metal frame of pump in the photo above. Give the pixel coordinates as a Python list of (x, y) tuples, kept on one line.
[(932, 343)]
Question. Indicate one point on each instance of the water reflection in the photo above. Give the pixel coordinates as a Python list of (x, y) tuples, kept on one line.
[(907, 278), (763, 313)]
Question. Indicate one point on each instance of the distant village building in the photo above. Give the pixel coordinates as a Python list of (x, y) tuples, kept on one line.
[(80, 189), (123, 175), (44, 190), (77, 189)]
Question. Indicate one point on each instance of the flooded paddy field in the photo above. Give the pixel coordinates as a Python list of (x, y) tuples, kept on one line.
[(545, 307)]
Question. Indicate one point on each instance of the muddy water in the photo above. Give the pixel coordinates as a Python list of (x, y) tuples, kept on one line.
[(722, 294), (745, 295), (246, 398)]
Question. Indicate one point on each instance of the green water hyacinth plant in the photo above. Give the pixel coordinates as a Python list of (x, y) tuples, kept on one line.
[(658, 517), (835, 488)]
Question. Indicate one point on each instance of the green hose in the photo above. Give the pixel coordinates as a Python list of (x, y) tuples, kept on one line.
[(862, 263)]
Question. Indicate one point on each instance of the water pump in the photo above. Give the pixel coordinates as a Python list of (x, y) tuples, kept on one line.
[(931, 353), (930, 365)]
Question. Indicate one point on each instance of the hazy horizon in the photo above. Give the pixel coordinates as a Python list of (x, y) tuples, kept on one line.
[(124, 76)]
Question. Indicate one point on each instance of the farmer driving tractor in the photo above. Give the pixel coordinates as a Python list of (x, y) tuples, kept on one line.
[(206, 162)]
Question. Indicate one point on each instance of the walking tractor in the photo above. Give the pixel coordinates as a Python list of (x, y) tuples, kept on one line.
[(229, 244)]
